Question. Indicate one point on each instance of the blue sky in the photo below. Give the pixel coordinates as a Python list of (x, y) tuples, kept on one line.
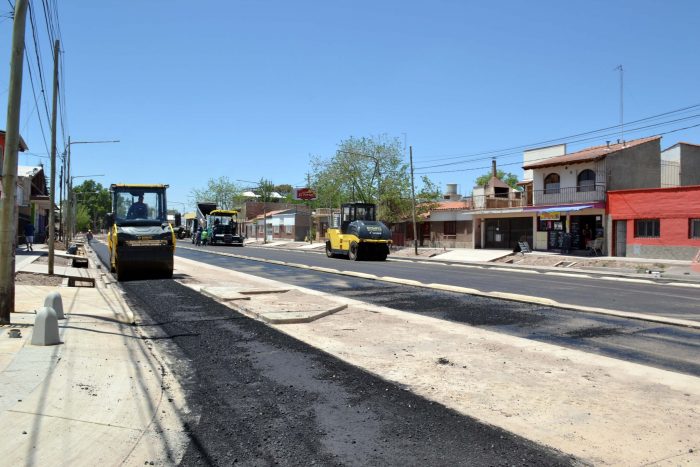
[(251, 89)]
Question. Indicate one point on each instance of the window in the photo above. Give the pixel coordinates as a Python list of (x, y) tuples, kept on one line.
[(586, 181), (694, 231), (551, 184), (450, 227), (647, 228)]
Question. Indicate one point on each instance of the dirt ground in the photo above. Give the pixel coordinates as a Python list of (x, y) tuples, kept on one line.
[(580, 262), (28, 278)]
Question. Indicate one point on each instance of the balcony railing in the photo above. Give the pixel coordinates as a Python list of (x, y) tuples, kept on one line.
[(551, 196)]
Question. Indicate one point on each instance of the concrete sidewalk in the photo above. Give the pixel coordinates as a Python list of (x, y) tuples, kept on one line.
[(101, 397)]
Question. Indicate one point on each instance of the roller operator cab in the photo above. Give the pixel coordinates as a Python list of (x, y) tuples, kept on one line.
[(357, 234), (140, 240)]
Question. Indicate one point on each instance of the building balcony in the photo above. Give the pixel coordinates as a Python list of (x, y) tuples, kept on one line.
[(529, 198)]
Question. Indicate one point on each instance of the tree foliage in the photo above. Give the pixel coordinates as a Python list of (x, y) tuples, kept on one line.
[(96, 201), (368, 170), (428, 196), (264, 190), (83, 221), (510, 179), (222, 191)]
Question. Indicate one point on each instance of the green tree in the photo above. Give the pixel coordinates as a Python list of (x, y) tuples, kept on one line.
[(222, 191), (510, 179), (82, 218), (428, 196), (95, 199), (369, 170), (264, 190)]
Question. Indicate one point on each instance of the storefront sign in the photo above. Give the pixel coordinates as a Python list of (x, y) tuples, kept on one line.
[(306, 194), (550, 216)]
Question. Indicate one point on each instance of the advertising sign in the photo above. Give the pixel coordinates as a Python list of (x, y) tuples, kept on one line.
[(306, 194), (550, 216)]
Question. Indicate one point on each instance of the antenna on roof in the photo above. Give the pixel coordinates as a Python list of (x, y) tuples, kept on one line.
[(622, 107)]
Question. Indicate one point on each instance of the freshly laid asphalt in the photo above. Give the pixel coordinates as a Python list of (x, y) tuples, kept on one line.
[(261, 397)]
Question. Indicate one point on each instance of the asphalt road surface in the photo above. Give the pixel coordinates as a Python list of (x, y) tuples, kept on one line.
[(663, 346), (260, 397), (675, 302)]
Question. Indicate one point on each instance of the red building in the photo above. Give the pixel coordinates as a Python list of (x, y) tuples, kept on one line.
[(661, 223)]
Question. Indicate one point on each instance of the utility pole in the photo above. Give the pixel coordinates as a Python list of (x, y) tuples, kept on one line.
[(60, 204), (66, 239), (8, 201), (308, 204), (413, 203), (52, 195)]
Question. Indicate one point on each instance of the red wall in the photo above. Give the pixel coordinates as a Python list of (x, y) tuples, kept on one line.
[(673, 206)]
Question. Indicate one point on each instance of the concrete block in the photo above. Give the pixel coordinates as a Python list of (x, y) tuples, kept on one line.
[(53, 300), (45, 327)]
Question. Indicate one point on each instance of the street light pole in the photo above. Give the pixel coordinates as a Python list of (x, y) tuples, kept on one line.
[(69, 182)]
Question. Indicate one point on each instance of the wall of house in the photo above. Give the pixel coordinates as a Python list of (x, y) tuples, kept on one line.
[(538, 154), (690, 165), (463, 238), (635, 167), (672, 206), (568, 174)]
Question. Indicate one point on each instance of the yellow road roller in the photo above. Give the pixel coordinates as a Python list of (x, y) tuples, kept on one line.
[(357, 235)]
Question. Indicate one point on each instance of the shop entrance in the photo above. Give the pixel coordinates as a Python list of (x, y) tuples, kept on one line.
[(584, 229), (506, 233)]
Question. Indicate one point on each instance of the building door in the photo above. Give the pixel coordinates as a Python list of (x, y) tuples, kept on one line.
[(424, 233), (621, 238), (506, 233)]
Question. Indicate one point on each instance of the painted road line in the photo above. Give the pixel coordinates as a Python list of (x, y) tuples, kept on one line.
[(684, 284), (468, 266), (568, 274), (627, 279), (524, 271)]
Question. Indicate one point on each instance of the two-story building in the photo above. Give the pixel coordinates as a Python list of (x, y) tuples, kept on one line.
[(561, 203), (568, 191)]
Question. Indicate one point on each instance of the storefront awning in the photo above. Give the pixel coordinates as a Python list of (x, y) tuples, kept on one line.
[(566, 208)]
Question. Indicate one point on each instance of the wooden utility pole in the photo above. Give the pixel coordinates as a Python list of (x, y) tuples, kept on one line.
[(8, 197), (52, 195), (413, 202), (66, 227)]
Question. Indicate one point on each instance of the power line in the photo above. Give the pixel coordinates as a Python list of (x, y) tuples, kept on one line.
[(560, 139), (583, 140), (542, 158), (36, 101), (37, 52)]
